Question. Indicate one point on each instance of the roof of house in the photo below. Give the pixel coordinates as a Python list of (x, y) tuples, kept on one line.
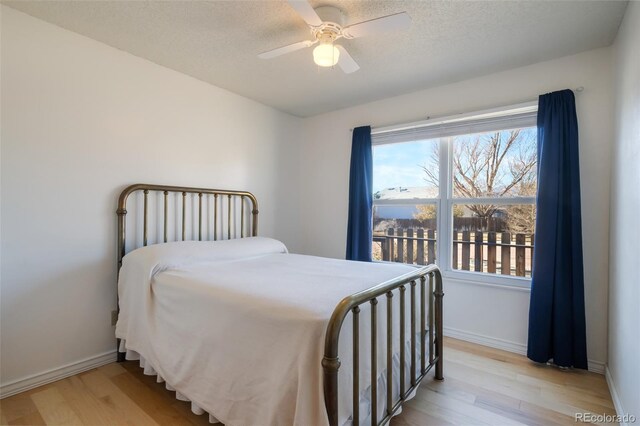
[(406, 193)]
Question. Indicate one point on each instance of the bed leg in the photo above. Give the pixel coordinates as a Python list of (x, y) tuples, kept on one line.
[(330, 367), (439, 294), (439, 362), (121, 355)]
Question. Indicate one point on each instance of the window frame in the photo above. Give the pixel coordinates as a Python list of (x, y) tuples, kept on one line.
[(445, 201)]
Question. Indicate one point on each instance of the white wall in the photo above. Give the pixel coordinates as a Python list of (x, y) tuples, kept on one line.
[(80, 120), (472, 310), (624, 277)]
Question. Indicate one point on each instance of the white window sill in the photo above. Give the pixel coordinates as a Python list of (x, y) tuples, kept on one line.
[(491, 280), (478, 278)]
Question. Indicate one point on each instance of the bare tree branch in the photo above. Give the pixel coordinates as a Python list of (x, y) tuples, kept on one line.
[(489, 166)]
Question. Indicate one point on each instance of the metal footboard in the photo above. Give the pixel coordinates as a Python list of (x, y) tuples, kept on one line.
[(430, 321)]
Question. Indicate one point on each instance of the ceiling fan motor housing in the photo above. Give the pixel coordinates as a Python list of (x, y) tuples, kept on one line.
[(331, 14), (331, 27)]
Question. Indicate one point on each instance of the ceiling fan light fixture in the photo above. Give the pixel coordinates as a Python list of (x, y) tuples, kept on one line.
[(326, 24), (326, 55)]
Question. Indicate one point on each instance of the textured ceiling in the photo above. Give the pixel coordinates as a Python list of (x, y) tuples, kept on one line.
[(218, 42)]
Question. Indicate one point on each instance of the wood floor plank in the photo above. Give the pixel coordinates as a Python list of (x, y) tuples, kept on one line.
[(462, 408), (568, 392), (492, 382), (102, 387), (498, 368), (113, 369), (90, 409), (184, 408), (527, 392), (159, 389), (578, 402), (588, 381), (415, 417), (445, 412), (33, 419), (452, 389), (482, 386), (54, 409), (17, 406), (457, 389), (152, 404), (545, 415)]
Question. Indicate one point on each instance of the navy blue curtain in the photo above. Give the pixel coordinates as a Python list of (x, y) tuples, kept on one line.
[(556, 311), (359, 229)]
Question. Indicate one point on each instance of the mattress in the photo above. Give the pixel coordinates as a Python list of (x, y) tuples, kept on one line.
[(237, 327)]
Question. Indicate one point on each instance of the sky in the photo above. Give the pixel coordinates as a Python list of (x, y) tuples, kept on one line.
[(400, 164)]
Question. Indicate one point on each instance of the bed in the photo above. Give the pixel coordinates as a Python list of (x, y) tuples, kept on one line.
[(254, 335)]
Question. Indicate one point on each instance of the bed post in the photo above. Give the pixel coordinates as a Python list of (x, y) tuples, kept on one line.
[(331, 362), (438, 295), (122, 215), (330, 367)]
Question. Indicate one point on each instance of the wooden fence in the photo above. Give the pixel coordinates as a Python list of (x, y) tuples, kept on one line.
[(492, 252)]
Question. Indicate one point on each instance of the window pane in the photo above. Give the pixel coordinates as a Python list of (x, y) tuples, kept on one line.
[(406, 170), (405, 233), (496, 164), (495, 239)]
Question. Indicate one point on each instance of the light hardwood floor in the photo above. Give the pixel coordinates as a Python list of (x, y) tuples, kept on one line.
[(481, 386)]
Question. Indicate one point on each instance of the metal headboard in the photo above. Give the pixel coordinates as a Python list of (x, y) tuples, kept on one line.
[(166, 190)]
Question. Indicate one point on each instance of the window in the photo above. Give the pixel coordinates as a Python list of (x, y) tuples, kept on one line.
[(460, 193)]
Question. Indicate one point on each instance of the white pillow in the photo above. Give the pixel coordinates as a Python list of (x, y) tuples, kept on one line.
[(187, 252)]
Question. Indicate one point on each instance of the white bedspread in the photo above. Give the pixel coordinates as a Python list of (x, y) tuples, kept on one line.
[(238, 326)]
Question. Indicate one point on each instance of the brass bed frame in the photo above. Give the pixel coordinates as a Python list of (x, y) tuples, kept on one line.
[(428, 277)]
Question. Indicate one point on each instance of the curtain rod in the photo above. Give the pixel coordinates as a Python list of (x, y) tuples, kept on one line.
[(577, 89)]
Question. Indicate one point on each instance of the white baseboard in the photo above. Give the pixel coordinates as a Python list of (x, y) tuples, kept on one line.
[(30, 382), (492, 342), (614, 396), (596, 366), (33, 381), (506, 345)]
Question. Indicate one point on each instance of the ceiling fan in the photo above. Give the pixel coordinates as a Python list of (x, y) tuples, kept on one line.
[(326, 31)]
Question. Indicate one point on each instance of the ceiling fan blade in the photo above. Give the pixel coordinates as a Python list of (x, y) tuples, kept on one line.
[(399, 21), (346, 62), (286, 49), (307, 13)]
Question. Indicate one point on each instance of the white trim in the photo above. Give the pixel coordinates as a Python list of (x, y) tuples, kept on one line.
[(33, 381), (525, 107), (495, 200), (485, 278), (515, 116), (458, 127), (514, 347), (39, 379), (404, 201), (617, 403), (596, 366), (480, 339), (445, 220)]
